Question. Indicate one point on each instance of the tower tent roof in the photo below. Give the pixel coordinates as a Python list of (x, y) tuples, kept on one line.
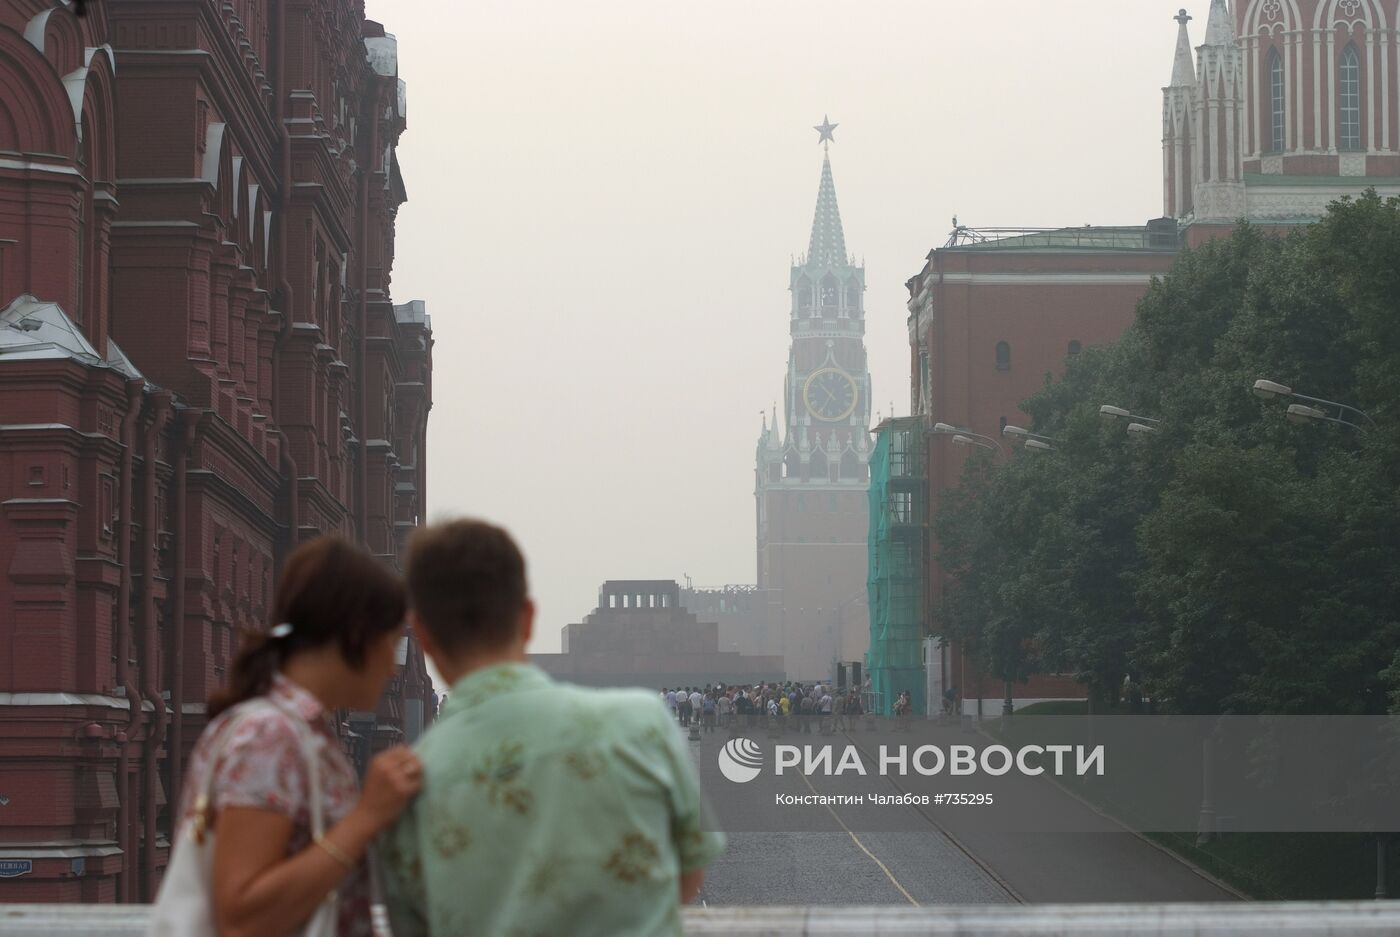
[(1184, 68), (1220, 28), (828, 245)]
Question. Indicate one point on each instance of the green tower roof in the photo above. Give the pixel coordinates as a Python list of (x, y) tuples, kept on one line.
[(828, 244)]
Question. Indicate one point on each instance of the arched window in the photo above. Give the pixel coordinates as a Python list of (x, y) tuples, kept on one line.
[(1003, 356), (830, 292), (817, 469), (1349, 105), (850, 465), (792, 466), (852, 298), (1074, 348), (1276, 142), (804, 295)]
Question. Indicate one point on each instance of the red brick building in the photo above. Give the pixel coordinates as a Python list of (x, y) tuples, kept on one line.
[(200, 367), (1286, 106), (990, 315)]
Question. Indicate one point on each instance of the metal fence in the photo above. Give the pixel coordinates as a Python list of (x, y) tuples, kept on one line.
[(1296, 919)]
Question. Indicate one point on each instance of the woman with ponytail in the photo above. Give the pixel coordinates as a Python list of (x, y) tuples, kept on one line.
[(339, 617)]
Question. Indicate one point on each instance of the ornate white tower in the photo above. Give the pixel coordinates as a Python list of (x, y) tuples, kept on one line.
[(812, 465), (1218, 141), (1178, 108)]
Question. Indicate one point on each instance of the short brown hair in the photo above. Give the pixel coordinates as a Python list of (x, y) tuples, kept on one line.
[(466, 581)]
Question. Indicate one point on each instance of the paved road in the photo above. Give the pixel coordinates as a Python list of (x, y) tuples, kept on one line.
[(949, 861)]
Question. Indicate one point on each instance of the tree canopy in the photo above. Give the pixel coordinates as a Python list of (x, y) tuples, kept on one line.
[(1231, 561)]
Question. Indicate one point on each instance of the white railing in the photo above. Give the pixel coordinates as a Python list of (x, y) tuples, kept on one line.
[(1295, 919)]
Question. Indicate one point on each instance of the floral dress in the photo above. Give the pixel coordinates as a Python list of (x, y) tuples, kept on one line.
[(263, 766)]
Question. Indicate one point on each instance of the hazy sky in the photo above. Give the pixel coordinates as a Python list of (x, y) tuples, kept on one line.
[(604, 198)]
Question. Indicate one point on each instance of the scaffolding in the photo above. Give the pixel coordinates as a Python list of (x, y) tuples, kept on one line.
[(898, 565)]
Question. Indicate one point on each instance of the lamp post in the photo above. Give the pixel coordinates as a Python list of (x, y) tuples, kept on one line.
[(962, 440), (1302, 413), (1138, 424), (1033, 442), (966, 437)]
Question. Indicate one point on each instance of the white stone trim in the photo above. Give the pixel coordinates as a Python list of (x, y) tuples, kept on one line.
[(1351, 165), (59, 849), (1317, 88), (1047, 279), (70, 699), (7, 163)]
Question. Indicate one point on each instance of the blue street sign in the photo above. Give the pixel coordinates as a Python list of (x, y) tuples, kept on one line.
[(13, 868)]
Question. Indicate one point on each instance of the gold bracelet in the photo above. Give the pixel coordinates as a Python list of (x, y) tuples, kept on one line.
[(336, 853)]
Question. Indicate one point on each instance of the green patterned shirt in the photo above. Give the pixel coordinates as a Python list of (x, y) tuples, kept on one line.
[(547, 809)]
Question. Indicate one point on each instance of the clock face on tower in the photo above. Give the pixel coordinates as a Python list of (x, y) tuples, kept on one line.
[(830, 395)]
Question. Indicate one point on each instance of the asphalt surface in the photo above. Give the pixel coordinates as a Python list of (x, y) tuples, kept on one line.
[(928, 856)]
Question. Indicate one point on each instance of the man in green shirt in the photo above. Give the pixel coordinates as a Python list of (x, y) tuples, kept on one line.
[(547, 809)]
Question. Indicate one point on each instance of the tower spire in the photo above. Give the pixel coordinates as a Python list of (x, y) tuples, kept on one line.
[(1184, 68), (827, 247), (1220, 27)]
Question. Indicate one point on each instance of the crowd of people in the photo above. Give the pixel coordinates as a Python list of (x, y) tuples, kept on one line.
[(529, 806), (789, 707)]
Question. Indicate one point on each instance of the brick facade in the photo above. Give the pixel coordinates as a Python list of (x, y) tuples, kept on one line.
[(1285, 106), (988, 320), (201, 367)]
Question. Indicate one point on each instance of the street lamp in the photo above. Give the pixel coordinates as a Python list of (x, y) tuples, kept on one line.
[(1301, 413), (965, 437), (1140, 425), (1268, 390), (1110, 412), (1029, 440), (962, 440)]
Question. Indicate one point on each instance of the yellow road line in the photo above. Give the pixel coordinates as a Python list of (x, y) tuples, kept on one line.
[(856, 839)]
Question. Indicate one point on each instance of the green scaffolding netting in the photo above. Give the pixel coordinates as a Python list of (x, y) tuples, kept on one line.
[(898, 563)]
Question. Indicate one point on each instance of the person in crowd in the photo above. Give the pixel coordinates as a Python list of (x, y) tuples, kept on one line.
[(824, 710), (904, 710), (853, 709), (807, 710), (743, 706), (950, 704), (724, 708), (710, 707), (546, 808), (339, 616)]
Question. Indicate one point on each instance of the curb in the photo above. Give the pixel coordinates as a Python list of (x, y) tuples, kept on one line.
[(1223, 886)]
